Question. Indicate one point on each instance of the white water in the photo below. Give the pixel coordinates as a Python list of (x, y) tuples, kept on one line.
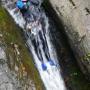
[(41, 48)]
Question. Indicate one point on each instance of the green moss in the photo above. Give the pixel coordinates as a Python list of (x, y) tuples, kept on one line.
[(77, 79), (12, 34), (86, 57)]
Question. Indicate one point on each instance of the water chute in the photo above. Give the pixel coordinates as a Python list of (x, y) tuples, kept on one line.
[(44, 67), (41, 46)]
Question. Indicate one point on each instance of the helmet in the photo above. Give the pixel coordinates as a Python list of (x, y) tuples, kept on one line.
[(19, 4)]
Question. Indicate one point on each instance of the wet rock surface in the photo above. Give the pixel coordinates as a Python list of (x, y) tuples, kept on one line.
[(74, 78), (75, 16), (9, 79), (6, 80), (16, 66)]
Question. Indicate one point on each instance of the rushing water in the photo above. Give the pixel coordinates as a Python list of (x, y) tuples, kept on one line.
[(39, 43)]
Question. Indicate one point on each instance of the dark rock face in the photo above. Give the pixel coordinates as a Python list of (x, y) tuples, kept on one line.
[(66, 54), (75, 17)]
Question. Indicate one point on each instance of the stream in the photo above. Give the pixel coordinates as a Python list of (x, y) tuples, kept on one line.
[(36, 28)]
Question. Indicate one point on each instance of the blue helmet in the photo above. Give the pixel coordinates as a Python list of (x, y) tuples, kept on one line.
[(19, 4)]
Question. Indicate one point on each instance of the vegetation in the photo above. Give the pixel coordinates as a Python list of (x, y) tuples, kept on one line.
[(11, 35)]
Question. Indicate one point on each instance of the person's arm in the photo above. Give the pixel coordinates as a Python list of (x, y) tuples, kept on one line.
[(16, 10)]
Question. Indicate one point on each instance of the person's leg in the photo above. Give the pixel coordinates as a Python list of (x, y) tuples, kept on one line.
[(24, 12)]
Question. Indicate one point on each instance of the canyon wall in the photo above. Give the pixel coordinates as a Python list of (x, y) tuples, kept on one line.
[(75, 16)]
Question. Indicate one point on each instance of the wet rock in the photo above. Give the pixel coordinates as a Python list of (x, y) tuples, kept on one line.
[(75, 17), (2, 54), (16, 53), (9, 80), (16, 48), (1, 35), (5, 81)]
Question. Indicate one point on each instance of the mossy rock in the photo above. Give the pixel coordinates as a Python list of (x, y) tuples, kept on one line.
[(13, 34)]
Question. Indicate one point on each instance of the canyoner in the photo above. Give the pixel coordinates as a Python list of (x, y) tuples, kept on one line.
[(28, 10), (30, 16), (33, 24)]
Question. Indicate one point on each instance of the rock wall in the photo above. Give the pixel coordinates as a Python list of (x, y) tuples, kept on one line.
[(75, 16), (17, 69)]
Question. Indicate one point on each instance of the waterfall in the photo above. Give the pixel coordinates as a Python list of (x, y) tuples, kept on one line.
[(39, 42)]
